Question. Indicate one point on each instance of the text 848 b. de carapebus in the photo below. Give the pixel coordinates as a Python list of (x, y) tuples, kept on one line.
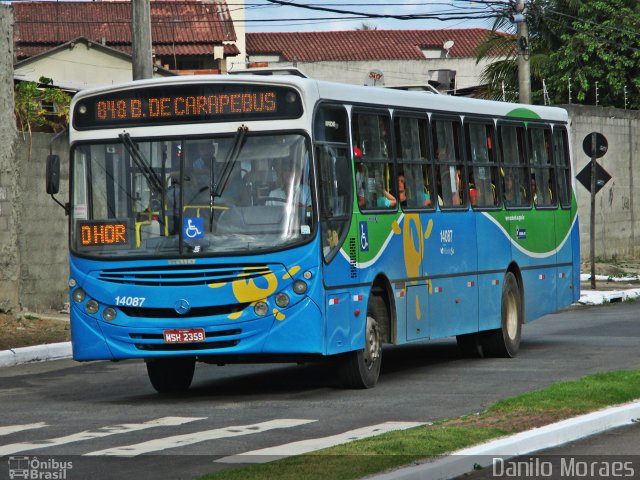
[(243, 218)]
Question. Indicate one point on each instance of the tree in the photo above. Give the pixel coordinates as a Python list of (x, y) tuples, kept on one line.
[(571, 42), (600, 43), (38, 104), (367, 26)]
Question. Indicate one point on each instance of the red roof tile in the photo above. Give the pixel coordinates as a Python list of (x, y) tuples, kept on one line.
[(363, 44), (193, 26)]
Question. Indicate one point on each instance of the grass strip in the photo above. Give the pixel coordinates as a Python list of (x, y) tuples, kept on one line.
[(395, 449)]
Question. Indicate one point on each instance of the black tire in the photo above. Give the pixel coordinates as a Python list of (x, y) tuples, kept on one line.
[(170, 375), (470, 345), (361, 368), (505, 341)]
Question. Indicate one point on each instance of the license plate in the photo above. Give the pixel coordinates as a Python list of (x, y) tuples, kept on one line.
[(184, 335)]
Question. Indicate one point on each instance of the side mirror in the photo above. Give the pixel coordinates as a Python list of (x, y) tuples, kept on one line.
[(53, 174)]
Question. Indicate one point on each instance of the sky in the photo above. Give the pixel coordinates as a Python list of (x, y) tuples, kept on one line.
[(264, 16)]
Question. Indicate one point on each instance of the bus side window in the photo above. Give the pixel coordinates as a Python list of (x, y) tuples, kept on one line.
[(335, 178), (483, 179), (414, 175), (371, 150), (449, 166), (563, 167), (542, 175), (514, 170)]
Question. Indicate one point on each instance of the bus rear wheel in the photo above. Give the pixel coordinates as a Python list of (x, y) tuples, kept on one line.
[(505, 341), (361, 368), (170, 375)]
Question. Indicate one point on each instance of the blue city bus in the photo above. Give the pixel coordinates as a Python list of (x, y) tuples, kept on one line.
[(246, 218)]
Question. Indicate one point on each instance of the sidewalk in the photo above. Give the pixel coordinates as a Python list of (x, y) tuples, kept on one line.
[(464, 462)]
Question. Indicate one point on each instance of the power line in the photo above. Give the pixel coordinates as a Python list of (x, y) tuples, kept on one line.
[(443, 16)]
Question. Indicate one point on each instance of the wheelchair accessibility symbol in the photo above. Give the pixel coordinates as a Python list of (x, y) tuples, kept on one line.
[(193, 228), (364, 237)]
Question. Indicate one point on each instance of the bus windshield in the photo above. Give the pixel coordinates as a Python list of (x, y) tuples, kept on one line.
[(191, 196)]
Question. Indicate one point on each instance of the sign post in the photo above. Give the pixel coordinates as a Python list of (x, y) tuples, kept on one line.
[(595, 146)]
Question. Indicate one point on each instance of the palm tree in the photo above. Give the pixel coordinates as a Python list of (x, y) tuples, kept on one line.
[(367, 26), (500, 78)]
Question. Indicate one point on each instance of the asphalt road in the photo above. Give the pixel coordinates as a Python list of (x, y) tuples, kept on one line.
[(64, 411)]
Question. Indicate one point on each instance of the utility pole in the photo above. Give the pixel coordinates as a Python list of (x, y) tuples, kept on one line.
[(141, 39), (524, 72)]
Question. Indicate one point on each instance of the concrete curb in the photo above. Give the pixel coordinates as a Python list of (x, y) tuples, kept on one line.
[(464, 461), (39, 353), (597, 297)]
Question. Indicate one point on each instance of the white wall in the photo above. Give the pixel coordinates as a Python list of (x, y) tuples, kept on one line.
[(617, 226), (396, 72), (236, 8), (80, 66)]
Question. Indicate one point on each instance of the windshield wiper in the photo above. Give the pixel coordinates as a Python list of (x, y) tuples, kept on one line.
[(141, 162), (216, 189), (232, 157)]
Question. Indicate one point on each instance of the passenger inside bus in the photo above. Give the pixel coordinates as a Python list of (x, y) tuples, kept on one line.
[(287, 183), (450, 185), (509, 191), (402, 193), (384, 198), (234, 191)]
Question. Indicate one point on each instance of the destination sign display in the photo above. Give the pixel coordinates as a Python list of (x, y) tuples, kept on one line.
[(186, 104), (101, 233)]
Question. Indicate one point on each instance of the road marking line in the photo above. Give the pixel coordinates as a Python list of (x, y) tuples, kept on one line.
[(98, 433), (196, 437), (9, 429), (266, 455)]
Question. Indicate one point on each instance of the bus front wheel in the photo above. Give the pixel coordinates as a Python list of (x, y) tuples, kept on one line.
[(170, 375), (505, 341), (361, 368)]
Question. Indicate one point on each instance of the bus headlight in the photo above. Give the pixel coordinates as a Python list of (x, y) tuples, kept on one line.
[(261, 309), (109, 314), (72, 282), (282, 300), (300, 287), (79, 295), (91, 307)]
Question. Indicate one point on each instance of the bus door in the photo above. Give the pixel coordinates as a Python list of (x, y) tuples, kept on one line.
[(494, 249), (337, 241), (564, 218), (540, 236), (453, 261), (415, 195)]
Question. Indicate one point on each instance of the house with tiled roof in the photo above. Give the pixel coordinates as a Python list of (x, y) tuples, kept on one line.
[(443, 58), (190, 36)]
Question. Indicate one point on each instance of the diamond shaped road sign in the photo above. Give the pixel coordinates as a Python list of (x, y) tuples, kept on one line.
[(602, 177)]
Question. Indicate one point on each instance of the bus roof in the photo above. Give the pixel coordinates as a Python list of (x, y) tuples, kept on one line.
[(360, 95)]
